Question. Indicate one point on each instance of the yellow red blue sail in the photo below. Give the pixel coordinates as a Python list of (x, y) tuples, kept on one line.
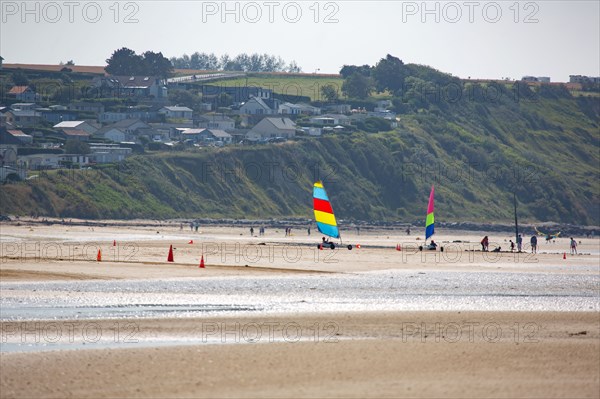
[(324, 216)]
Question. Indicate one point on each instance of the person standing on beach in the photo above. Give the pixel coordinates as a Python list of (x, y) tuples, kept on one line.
[(308, 230), (533, 242), (573, 246), (251, 231), (485, 242), (519, 242), (512, 246)]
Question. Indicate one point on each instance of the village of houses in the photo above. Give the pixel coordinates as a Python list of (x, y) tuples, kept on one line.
[(256, 116)]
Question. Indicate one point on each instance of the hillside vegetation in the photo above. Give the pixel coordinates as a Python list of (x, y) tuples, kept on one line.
[(477, 143)]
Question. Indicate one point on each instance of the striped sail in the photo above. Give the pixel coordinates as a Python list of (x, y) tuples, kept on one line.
[(323, 212), (429, 222)]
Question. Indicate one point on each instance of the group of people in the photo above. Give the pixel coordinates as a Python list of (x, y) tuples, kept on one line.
[(533, 241), (261, 231)]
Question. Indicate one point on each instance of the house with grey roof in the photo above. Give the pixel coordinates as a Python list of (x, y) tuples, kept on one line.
[(131, 86), (23, 118), (177, 112), (298, 109), (113, 134), (256, 106), (271, 127), (215, 121), (131, 126), (83, 106), (330, 120)]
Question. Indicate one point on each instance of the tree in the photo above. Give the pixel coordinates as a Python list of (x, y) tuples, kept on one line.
[(19, 78), (358, 86), (225, 100), (294, 68), (330, 92), (184, 97), (389, 74), (76, 147), (157, 65), (348, 70), (125, 62)]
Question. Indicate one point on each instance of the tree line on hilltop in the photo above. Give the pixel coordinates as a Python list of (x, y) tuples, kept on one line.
[(126, 62)]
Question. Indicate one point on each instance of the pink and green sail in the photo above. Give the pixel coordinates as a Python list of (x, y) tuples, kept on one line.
[(429, 221)]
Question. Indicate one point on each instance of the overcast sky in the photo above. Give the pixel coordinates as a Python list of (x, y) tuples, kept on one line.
[(480, 39)]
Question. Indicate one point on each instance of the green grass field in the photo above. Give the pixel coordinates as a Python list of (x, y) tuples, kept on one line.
[(294, 85)]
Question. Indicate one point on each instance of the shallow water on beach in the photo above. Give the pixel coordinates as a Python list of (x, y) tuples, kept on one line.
[(371, 291), (33, 313)]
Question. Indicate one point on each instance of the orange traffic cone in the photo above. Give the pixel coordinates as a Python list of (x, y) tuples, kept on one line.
[(99, 256), (191, 242), (170, 257), (114, 243), (564, 255), (358, 246), (202, 262)]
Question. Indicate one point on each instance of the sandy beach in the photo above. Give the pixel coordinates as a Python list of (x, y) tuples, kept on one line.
[(274, 316)]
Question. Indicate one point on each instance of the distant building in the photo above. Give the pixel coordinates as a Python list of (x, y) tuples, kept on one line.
[(238, 94), (56, 116), (94, 108), (255, 106), (177, 112), (24, 93), (74, 134), (19, 135), (23, 118), (108, 153), (113, 134), (131, 86), (220, 122), (76, 125), (541, 79), (298, 109), (584, 79), (272, 127), (24, 106), (330, 120)]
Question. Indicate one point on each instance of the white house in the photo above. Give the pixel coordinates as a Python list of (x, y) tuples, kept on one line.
[(134, 86), (108, 153), (191, 134), (131, 126), (24, 106), (255, 106), (220, 122), (272, 127), (298, 109), (113, 133), (177, 112), (24, 93), (330, 120), (220, 135)]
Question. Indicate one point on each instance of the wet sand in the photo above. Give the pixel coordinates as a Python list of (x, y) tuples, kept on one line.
[(344, 354)]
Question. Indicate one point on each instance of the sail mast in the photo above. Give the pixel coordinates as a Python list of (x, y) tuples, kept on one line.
[(516, 223)]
